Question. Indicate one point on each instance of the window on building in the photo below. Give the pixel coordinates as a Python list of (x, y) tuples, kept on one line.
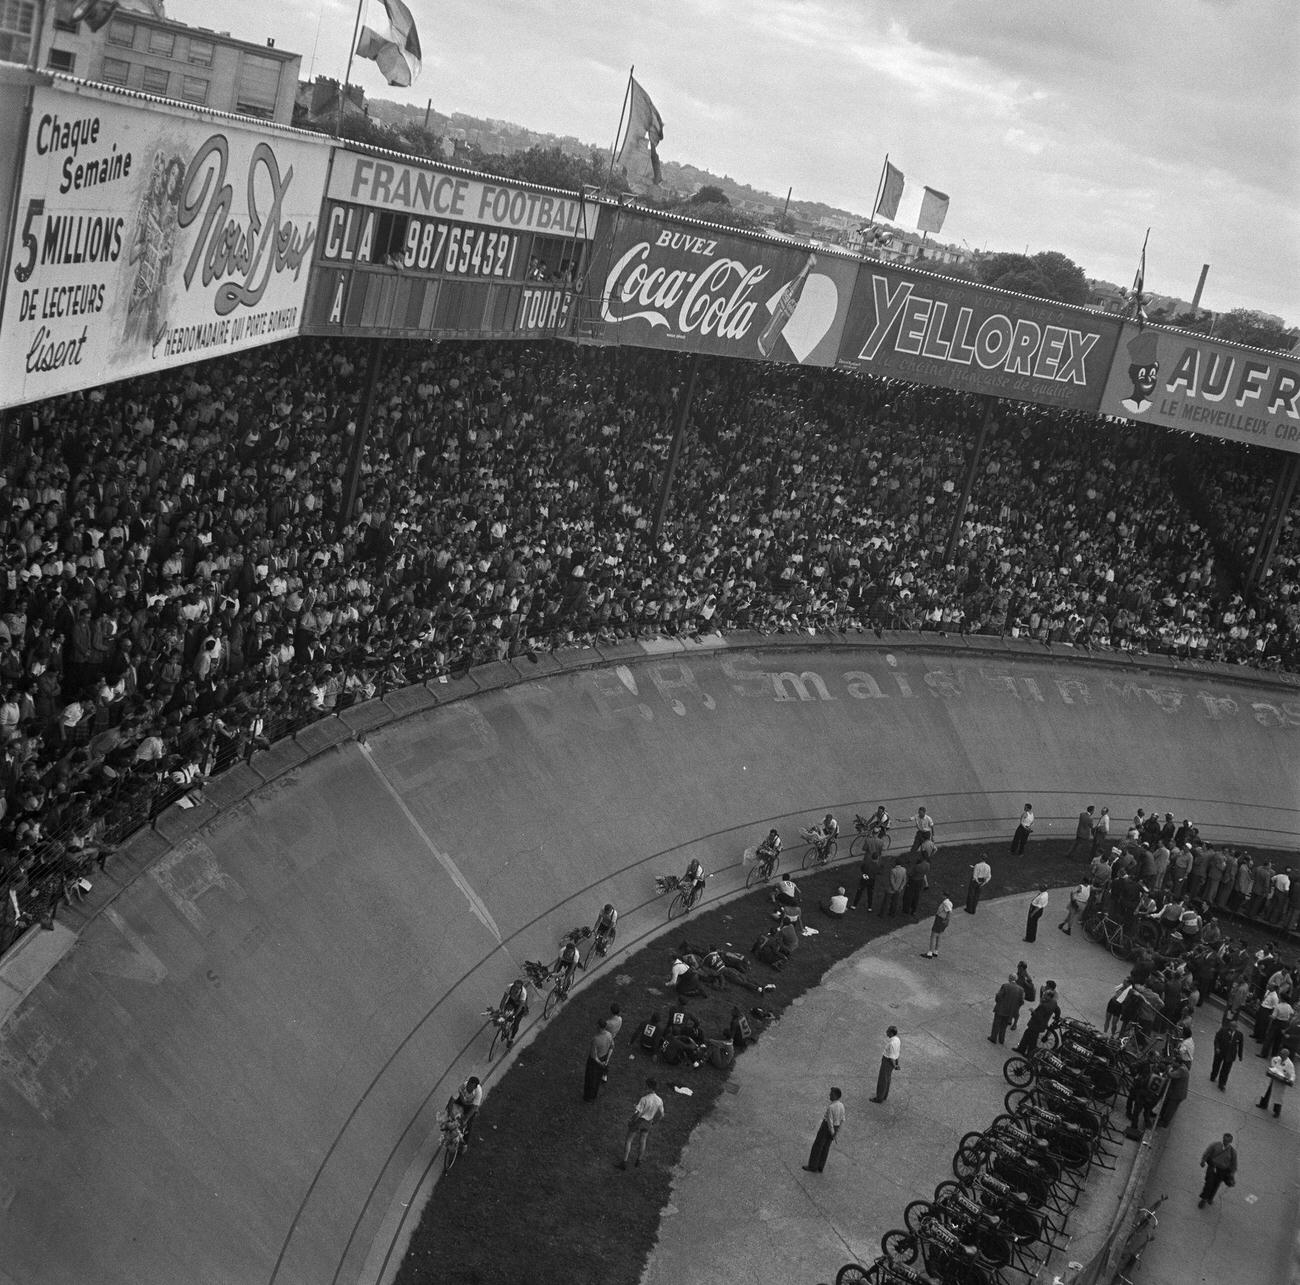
[(201, 52), (116, 71), (17, 29), (154, 80), (194, 89), (162, 42), (258, 85), (121, 33), (61, 60), (71, 26)]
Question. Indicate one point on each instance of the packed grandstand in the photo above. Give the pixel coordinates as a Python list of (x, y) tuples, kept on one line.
[(182, 585)]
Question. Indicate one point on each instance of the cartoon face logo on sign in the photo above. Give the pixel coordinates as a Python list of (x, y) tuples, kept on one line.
[(1143, 367)]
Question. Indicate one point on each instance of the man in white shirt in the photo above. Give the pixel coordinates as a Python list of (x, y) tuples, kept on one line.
[(1101, 831), (1036, 908), (1021, 836), (832, 1123), (649, 1109), (888, 1063), (924, 823), (1077, 904), (980, 873)]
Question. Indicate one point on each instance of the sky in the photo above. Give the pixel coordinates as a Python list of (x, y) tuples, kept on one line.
[(1052, 125)]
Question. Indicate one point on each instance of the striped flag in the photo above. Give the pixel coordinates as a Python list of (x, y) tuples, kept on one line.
[(391, 41), (934, 209), (891, 192), (1137, 297), (639, 154)]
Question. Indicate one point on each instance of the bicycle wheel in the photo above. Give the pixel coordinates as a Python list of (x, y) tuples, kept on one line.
[(966, 1162), (809, 857), (831, 849), (553, 1001), (945, 1189), (915, 1213), (679, 904), (758, 873), (854, 1274), (1095, 929), (597, 948), (450, 1153), (994, 1247), (1018, 1072), (1073, 1153), (900, 1246), (1015, 1099), (1105, 1084), (1050, 1040), (498, 1043), (886, 839), (858, 847)]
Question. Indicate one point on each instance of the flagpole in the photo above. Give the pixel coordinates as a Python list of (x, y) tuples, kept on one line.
[(880, 187), (352, 49), (627, 97)]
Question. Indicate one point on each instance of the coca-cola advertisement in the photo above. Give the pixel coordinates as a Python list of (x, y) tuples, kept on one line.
[(667, 284)]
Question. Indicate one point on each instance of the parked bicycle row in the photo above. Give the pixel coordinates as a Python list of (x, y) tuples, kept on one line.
[(1006, 1209)]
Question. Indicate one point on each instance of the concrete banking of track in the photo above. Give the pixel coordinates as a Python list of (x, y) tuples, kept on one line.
[(227, 1070)]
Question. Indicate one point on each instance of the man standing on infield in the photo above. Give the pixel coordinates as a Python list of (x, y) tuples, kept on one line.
[(1021, 836), (888, 1064), (649, 1109)]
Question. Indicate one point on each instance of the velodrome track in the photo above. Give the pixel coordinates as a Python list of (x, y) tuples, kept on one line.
[(230, 1076)]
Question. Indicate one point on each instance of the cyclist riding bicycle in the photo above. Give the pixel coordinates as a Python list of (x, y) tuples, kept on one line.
[(878, 823), (514, 1006), (769, 850), (606, 927), (828, 832), (693, 879), (567, 963)]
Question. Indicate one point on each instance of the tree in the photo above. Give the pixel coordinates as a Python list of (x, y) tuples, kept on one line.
[(1066, 277), (1247, 326), (1046, 275), (549, 166), (709, 194)]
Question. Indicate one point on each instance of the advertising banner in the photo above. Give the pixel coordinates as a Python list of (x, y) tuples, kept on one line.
[(1182, 381), (423, 189), (149, 237), (943, 331), (664, 284), (368, 302)]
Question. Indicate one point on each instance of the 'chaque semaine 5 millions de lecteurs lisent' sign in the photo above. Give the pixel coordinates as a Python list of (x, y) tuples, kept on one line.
[(146, 239)]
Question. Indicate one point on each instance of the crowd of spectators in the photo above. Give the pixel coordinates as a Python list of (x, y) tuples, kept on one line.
[(181, 586)]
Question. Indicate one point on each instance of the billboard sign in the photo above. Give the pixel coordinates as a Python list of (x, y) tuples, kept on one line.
[(148, 237), (952, 333), (691, 288), (386, 183), (1184, 381)]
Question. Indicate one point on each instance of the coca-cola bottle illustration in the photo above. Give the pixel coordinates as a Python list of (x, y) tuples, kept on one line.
[(784, 309)]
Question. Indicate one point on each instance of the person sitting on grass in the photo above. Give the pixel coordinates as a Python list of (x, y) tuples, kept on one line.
[(769, 950), (739, 1031), (684, 977), (789, 936), (650, 1033), (786, 899), (838, 905), (683, 1039)]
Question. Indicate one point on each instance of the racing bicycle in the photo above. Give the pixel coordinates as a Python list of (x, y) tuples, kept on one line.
[(764, 865), (686, 895)]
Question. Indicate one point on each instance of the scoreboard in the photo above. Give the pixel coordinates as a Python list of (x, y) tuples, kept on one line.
[(417, 251)]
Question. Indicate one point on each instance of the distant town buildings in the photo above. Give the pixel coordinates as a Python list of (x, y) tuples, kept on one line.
[(149, 52)]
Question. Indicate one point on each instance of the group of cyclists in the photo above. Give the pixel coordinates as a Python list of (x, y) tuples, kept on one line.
[(513, 1008), (823, 837)]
